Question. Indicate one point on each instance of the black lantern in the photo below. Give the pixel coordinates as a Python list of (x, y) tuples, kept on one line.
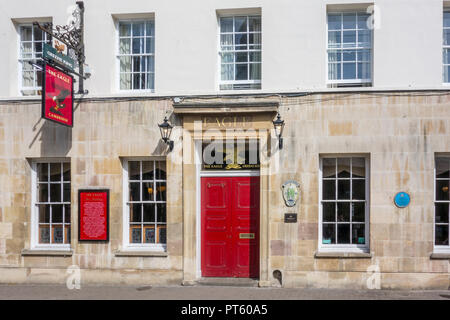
[(166, 130), (279, 126)]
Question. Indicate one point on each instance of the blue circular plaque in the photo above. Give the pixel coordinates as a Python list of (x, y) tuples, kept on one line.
[(402, 199)]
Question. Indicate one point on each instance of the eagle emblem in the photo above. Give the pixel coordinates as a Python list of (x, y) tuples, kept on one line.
[(59, 101)]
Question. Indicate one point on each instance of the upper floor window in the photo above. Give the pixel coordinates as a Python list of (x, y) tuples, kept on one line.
[(240, 52), (441, 204), (349, 49), (344, 214), (446, 47), (31, 40), (137, 55), (51, 204), (145, 211)]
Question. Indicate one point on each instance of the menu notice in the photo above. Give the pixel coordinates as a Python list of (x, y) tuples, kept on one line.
[(93, 208)]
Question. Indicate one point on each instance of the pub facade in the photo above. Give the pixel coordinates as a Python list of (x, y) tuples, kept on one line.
[(244, 171)]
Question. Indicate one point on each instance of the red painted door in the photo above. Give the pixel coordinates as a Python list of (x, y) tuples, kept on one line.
[(230, 227)]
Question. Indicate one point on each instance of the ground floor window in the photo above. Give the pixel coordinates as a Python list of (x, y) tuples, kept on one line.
[(51, 194), (442, 200), (146, 202), (344, 202)]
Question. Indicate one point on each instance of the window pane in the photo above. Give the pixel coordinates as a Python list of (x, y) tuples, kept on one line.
[(334, 71), (446, 19), (44, 213), (329, 190), (241, 56), (334, 56), (149, 212), (343, 167), (358, 167), (55, 192), (441, 210), (334, 39), (343, 189), (240, 41), (161, 212), (358, 189), (442, 167), (358, 234), (150, 236), (57, 213), (150, 45), (363, 20), (364, 55), (147, 191), (226, 41), (343, 212), (150, 64), (329, 233), (240, 24), (160, 170), (136, 213), (66, 171), (28, 79), (227, 72), (255, 71), (135, 191), (147, 170), (125, 46), (329, 212), (358, 212), (255, 56), (58, 234), (254, 24), (26, 51), (241, 72), (442, 187), (137, 81), (343, 233), (447, 37), (349, 39), (160, 191), (364, 38), (125, 64), (42, 171), (349, 21), (334, 21), (135, 235), (138, 29), (25, 33), (254, 38), (329, 168), (364, 71), (349, 55), (150, 28), (44, 234), (226, 24), (125, 81), (66, 192), (43, 192), (227, 57), (150, 81), (124, 29), (67, 214), (162, 234), (55, 171), (349, 70), (138, 45), (442, 235)]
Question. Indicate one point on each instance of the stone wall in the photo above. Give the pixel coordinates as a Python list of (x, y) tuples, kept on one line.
[(399, 132)]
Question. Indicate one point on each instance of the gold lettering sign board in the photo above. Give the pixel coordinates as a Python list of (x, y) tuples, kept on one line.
[(227, 122)]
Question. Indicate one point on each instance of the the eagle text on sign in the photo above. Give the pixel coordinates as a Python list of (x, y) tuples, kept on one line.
[(57, 96)]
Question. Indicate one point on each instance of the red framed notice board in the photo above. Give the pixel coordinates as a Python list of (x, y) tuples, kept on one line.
[(93, 215), (57, 96)]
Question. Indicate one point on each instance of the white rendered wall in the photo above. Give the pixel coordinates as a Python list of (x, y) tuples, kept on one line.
[(407, 46)]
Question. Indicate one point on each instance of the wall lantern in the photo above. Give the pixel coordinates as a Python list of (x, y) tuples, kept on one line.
[(279, 126), (166, 130)]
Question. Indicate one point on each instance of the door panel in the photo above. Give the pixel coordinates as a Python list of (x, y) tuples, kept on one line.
[(230, 227)]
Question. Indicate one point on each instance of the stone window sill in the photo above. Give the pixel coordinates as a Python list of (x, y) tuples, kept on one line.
[(48, 253), (440, 256), (343, 255), (140, 254)]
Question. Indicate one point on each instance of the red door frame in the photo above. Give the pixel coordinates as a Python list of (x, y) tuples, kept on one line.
[(230, 209)]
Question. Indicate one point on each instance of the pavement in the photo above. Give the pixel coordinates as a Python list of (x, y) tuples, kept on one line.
[(61, 292)]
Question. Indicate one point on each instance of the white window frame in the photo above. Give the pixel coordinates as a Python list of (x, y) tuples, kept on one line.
[(139, 247), (351, 248), (349, 82), (35, 245), (439, 248), (237, 82), (444, 47), (118, 55), (21, 60)]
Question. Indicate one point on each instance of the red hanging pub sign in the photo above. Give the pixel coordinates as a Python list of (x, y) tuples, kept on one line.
[(57, 96)]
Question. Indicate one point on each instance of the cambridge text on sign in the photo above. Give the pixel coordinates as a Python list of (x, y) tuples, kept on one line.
[(57, 96)]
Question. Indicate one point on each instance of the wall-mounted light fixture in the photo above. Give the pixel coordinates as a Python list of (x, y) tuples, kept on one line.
[(279, 126), (166, 129)]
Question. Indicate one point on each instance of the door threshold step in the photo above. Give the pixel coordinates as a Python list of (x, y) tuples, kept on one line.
[(228, 282)]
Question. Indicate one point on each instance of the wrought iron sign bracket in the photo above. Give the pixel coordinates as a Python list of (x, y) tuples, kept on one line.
[(72, 36)]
